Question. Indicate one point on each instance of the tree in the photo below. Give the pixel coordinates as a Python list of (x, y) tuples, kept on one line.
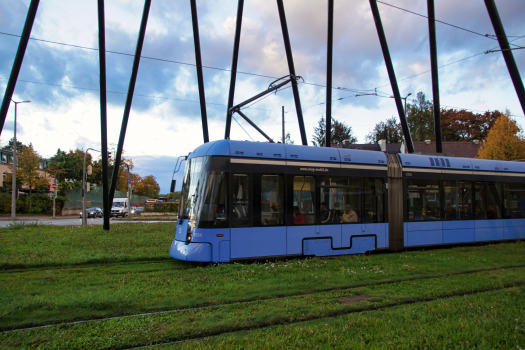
[(28, 164), (390, 131), (147, 187), (462, 125), (420, 119), (174, 195), (9, 145), (74, 162), (288, 139), (338, 134), (504, 141)]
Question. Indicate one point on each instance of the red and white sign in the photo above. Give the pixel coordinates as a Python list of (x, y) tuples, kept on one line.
[(131, 182), (54, 186)]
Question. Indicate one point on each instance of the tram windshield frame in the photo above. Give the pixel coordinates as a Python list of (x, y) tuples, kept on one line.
[(203, 197)]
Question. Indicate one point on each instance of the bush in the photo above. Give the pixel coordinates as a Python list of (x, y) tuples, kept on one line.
[(161, 207), (41, 204)]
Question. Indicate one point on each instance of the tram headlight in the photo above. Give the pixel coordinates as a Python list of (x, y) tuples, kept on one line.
[(190, 230)]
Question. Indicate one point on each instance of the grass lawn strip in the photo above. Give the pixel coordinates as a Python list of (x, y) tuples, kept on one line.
[(127, 332), (46, 245), (491, 320), (55, 295)]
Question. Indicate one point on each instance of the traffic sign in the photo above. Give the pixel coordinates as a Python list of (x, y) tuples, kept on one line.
[(54, 186), (131, 181)]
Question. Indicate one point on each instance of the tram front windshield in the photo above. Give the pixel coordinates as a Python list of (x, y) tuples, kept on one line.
[(203, 199)]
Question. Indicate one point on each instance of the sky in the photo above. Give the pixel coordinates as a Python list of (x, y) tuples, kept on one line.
[(165, 123)]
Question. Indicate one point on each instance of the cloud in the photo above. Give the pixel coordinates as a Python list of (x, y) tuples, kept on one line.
[(165, 118)]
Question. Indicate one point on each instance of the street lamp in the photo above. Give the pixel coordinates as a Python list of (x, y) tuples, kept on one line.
[(128, 195), (404, 98), (13, 180), (84, 222)]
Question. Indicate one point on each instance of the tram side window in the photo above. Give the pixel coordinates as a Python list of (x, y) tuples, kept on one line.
[(241, 209), (423, 200), (303, 199), (514, 197), (487, 203), (458, 200), (343, 199), (271, 200), (374, 200), (215, 212)]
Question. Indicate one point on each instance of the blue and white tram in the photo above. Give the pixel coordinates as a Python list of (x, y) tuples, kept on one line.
[(249, 200)]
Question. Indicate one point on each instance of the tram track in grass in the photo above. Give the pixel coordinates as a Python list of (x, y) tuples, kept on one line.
[(198, 323), (56, 296), (232, 337), (343, 289)]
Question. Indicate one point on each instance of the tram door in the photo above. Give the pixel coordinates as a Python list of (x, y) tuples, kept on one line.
[(258, 219)]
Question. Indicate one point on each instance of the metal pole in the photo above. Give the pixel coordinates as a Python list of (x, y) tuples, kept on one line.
[(198, 61), (233, 75), (328, 128), (291, 68), (435, 80), (129, 99), (284, 140), (54, 194), (103, 114), (17, 64), (392, 76), (506, 51), (84, 221), (128, 194), (13, 178)]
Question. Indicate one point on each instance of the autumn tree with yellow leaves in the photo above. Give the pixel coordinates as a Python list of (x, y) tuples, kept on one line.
[(28, 171), (504, 141)]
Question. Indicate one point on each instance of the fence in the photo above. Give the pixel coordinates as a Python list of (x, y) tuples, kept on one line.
[(94, 198)]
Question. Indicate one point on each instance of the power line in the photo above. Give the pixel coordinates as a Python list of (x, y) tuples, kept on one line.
[(490, 36), (171, 61), (448, 64), (242, 128), (124, 93)]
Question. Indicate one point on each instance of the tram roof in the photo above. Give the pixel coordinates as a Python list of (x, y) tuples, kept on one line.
[(265, 150), (468, 164)]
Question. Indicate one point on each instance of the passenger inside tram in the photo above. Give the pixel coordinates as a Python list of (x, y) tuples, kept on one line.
[(298, 217), (275, 219), (349, 215)]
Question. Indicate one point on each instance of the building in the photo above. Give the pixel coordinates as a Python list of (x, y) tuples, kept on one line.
[(464, 149), (6, 159)]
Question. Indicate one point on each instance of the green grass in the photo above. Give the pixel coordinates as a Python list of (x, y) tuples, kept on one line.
[(32, 245), (60, 274), (173, 326), (64, 294), (493, 320)]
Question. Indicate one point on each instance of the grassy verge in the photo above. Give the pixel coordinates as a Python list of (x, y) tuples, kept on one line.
[(46, 245), (492, 320), (173, 326), (57, 295)]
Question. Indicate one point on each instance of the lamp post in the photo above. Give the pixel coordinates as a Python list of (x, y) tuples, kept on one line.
[(84, 222), (128, 194), (404, 98), (13, 180)]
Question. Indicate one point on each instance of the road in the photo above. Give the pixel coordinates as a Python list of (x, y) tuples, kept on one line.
[(4, 222)]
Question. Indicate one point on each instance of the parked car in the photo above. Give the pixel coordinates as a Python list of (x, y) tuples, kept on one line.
[(136, 210), (93, 212)]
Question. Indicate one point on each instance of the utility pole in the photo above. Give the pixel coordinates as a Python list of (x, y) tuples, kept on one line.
[(84, 221), (13, 179), (284, 139)]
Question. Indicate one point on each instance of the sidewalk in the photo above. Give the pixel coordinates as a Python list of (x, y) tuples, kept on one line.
[(36, 217)]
